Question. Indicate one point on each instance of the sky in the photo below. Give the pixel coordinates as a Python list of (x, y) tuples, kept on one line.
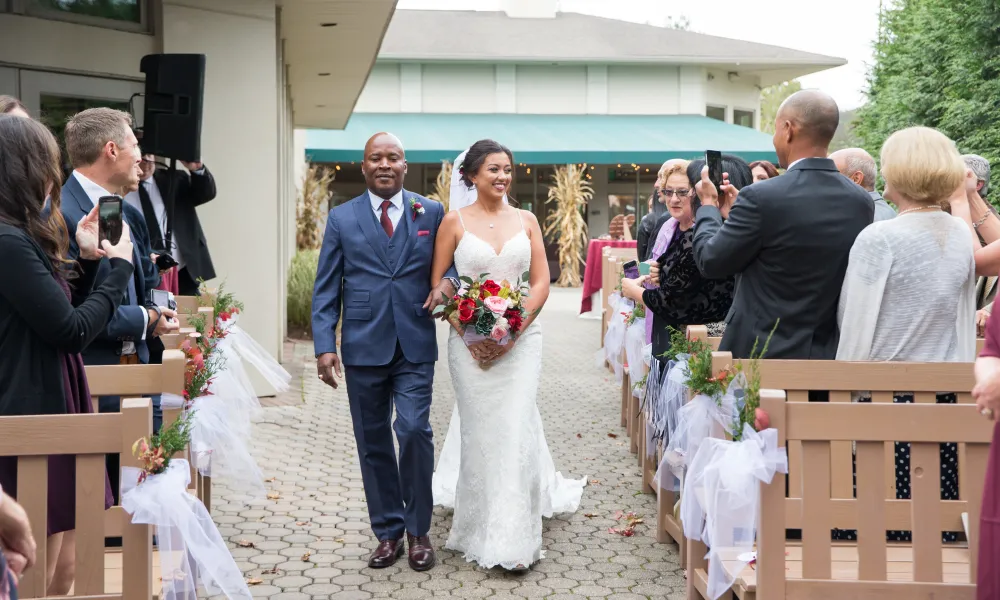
[(846, 32)]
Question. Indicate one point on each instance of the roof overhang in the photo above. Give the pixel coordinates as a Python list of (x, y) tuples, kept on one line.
[(544, 139), (329, 49)]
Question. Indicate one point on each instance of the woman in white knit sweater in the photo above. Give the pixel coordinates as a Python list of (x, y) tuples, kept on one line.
[(909, 291)]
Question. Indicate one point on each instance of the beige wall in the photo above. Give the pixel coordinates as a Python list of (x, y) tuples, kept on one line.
[(240, 144), (39, 43)]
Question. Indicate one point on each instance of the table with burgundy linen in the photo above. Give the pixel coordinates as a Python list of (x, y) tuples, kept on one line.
[(592, 274)]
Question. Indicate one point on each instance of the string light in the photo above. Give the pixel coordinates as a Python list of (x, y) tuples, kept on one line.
[(338, 167), (529, 170)]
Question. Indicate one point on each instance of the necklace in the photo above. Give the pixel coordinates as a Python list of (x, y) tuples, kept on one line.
[(918, 208), (495, 215)]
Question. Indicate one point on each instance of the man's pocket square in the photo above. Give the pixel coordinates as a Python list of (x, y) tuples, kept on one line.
[(423, 232)]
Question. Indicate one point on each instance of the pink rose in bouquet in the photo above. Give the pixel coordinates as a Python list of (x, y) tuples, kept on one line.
[(500, 330), (497, 305)]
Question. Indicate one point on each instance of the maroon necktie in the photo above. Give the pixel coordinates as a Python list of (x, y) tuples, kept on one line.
[(386, 223)]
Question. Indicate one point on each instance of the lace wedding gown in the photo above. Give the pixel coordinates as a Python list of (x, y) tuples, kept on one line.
[(495, 469)]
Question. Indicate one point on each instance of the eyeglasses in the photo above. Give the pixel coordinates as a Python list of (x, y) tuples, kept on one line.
[(667, 193)]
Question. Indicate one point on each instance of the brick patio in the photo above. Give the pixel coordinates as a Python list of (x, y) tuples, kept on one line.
[(312, 540)]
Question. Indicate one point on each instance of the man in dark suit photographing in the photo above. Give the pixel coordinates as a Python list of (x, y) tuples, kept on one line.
[(789, 237), (188, 246)]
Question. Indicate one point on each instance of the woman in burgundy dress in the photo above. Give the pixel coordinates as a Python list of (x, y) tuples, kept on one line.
[(49, 312), (987, 395)]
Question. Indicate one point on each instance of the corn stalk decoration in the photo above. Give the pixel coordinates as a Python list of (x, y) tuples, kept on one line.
[(570, 194), (442, 185), (310, 210)]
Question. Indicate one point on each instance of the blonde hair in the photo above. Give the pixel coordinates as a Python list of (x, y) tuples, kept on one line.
[(672, 167), (89, 131), (923, 165)]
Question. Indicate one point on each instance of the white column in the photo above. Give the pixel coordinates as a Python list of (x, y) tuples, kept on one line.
[(506, 78), (597, 211), (411, 89), (597, 89)]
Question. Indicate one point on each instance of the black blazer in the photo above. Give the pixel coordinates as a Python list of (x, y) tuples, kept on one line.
[(37, 322), (789, 238), (190, 192)]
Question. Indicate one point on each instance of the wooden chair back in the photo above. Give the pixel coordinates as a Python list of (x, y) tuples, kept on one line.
[(138, 381), (817, 427), (32, 439), (840, 379)]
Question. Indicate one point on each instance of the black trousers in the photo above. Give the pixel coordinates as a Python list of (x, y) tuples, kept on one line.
[(187, 285)]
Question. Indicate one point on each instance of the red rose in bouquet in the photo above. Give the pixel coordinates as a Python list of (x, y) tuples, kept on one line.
[(514, 319), (491, 287), (466, 310)]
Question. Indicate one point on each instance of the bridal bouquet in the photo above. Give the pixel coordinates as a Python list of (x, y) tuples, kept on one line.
[(487, 309)]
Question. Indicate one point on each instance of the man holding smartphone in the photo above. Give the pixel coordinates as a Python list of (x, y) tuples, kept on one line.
[(105, 156)]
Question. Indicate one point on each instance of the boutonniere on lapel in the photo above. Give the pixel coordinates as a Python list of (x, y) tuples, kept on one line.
[(416, 207)]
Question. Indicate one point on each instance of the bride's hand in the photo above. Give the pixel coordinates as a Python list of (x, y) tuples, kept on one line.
[(480, 350), (495, 351)]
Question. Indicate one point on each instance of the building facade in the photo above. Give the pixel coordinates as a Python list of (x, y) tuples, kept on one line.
[(272, 66), (559, 88)]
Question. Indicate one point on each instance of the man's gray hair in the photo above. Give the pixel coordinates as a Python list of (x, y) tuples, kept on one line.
[(857, 160), (981, 167), (89, 131)]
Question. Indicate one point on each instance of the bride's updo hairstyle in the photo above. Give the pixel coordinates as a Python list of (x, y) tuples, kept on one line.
[(476, 156)]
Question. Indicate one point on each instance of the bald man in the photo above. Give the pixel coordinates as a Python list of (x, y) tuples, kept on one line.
[(789, 238), (859, 166), (375, 269)]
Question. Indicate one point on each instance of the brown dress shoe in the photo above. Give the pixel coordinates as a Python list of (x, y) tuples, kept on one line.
[(421, 553), (386, 554)]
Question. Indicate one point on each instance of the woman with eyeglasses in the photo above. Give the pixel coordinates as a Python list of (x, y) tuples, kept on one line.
[(682, 296)]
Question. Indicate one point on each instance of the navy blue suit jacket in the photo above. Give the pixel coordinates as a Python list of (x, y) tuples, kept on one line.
[(381, 284), (128, 323)]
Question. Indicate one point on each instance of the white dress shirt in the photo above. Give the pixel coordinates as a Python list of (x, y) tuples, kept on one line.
[(395, 210), (94, 193), (159, 212)]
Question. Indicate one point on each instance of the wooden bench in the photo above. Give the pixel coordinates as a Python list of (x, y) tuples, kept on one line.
[(90, 437), (612, 260), (819, 438)]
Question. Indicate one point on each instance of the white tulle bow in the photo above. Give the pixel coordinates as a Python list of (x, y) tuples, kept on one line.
[(190, 546), (721, 503)]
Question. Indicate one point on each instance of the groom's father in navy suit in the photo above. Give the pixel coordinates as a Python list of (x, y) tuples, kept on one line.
[(375, 269)]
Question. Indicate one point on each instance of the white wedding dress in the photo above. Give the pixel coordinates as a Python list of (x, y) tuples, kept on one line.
[(495, 469)]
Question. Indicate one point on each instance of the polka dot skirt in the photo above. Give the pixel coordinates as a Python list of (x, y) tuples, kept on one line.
[(949, 477)]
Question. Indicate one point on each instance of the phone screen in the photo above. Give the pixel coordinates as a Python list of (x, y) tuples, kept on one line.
[(714, 160), (631, 269), (110, 218), (644, 268)]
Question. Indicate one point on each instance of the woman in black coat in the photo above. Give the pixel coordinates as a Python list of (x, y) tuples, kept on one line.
[(49, 312)]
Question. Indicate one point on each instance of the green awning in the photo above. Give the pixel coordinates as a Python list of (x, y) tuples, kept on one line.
[(544, 139)]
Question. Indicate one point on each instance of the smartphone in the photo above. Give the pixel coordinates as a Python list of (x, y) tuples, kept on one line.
[(164, 261), (109, 212), (714, 160), (631, 269)]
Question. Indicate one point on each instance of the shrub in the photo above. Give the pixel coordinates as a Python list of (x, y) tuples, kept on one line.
[(301, 279)]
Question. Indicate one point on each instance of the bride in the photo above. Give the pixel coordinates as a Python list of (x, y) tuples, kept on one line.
[(495, 469)]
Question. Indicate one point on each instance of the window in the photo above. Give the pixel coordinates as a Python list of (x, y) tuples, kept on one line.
[(743, 118), (56, 110), (716, 112), (130, 15)]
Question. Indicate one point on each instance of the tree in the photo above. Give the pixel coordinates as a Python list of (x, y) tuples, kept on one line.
[(771, 98), (846, 137), (937, 64)]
